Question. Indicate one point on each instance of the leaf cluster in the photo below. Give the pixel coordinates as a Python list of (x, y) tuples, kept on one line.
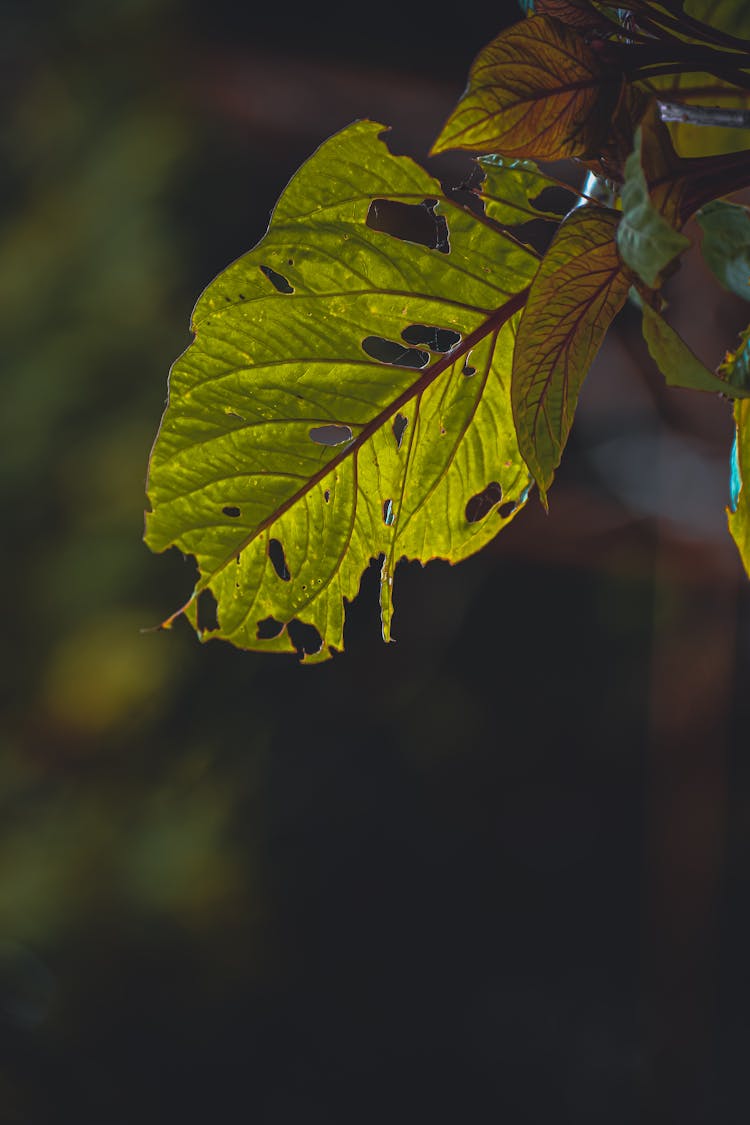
[(394, 367)]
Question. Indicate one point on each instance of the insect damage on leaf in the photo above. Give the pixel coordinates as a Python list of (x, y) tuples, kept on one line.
[(331, 405)]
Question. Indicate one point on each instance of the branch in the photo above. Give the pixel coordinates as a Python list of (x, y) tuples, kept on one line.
[(715, 115)]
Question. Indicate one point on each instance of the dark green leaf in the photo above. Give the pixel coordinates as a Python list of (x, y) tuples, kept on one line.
[(646, 241), (579, 288), (318, 422), (726, 244), (677, 362), (735, 367)]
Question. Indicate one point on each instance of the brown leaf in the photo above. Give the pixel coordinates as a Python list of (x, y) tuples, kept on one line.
[(573, 13), (537, 90), (579, 287)]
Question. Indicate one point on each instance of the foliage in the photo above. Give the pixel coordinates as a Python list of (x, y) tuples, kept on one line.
[(393, 367)]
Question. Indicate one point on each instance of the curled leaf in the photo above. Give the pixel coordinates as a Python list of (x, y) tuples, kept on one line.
[(537, 90), (578, 290), (323, 416)]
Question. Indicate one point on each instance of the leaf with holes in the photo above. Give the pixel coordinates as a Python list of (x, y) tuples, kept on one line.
[(537, 90), (347, 396), (578, 290), (726, 244), (511, 187)]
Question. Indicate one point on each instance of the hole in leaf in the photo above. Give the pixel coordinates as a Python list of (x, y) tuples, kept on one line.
[(305, 638), (484, 501), (553, 198), (387, 512), (436, 339), (278, 559), (389, 351), (231, 511), (327, 495), (208, 616), (269, 628), (278, 280), (233, 414), (505, 509), (411, 222), (331, 435), (468, 370), (399, 425)]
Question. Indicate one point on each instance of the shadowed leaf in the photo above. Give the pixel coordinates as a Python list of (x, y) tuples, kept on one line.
[(646, 241), (334, 452), (735, 367), (579, 288), (537, 91), (726, 244), (677, 362), (573, 13), (732, 16)]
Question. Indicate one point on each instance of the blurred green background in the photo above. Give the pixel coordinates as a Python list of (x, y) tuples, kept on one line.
[(496, 871)]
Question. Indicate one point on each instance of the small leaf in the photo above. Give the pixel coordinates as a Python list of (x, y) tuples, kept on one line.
[(511, 186), (578, 290), (735, 367), (537, 91), (646, 241), (677, 362), (726, 244), (316, 425), (739, 512)]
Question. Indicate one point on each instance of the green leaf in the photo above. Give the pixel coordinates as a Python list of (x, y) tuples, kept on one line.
[(510, 188), (578, 290), (646, 241), (735, 367), (347, 396), (677, 362), (726, 244), (738, 514), (537, 91)]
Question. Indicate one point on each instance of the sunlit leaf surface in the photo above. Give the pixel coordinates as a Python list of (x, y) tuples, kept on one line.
[(347, 396), (579, 288), (537, 91), (512, 188)]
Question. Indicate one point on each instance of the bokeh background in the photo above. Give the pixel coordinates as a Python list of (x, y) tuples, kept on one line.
[(496, 871)]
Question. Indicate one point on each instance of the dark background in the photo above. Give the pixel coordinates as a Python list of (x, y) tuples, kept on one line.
[(496, 871)]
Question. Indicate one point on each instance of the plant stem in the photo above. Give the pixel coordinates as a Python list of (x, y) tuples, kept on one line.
[(718, 116)]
